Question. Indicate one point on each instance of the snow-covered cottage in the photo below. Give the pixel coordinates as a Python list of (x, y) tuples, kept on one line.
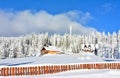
[(88, 47), (44, 51)]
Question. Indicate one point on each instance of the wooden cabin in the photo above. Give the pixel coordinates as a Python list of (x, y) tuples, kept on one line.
[(44, 51)]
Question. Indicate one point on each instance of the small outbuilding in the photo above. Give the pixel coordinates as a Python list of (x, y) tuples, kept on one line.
[(88, 47)]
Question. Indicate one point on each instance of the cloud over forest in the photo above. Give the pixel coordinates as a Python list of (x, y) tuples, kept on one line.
[(23, 22)]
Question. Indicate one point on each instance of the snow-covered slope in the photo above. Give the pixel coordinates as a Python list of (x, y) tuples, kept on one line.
[(63, 59), (82, 57), (52, 59)]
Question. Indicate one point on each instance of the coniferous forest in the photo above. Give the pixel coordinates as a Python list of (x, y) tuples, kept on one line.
[(108, 45)]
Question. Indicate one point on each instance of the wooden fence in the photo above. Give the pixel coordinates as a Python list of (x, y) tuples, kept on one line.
[(50, 69)]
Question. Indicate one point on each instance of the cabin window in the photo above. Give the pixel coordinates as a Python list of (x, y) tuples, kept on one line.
[(89, 46)]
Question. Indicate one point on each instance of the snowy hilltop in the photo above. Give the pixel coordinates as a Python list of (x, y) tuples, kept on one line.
[(107, 46)]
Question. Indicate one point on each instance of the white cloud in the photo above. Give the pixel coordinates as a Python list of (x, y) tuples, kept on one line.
[(107, 8), (22, 22), (79, 16)]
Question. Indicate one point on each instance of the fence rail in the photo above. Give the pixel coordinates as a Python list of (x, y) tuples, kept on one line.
[(51, 69)]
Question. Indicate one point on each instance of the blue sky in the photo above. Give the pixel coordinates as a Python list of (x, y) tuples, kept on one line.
[(103, 15)]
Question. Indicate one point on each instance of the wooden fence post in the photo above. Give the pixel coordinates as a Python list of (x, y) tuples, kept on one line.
[(96, 66), (92, 65), (86, 66), (101, 65), (68, 67), (76, 66), (18, 71), (5, 72), (43, 69), (36, 70), (71, 67), (106, 65), (79, 66), (65, 67), (33, 72), (83, 66), (89, 66), (24, 71), (21, 71), (46, 69), (39, 72), (15, 70), (2, 71), (51, 69), (57, 68), (114, 65), (109, 66), (12, 71), (118, 66), (30, 70), (61, 68)]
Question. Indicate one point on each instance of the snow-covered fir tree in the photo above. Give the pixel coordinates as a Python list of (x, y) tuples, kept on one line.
[(31, 44)]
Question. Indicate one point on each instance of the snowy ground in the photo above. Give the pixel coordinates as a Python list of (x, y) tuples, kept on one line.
[(64, 59), (50, 59)]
